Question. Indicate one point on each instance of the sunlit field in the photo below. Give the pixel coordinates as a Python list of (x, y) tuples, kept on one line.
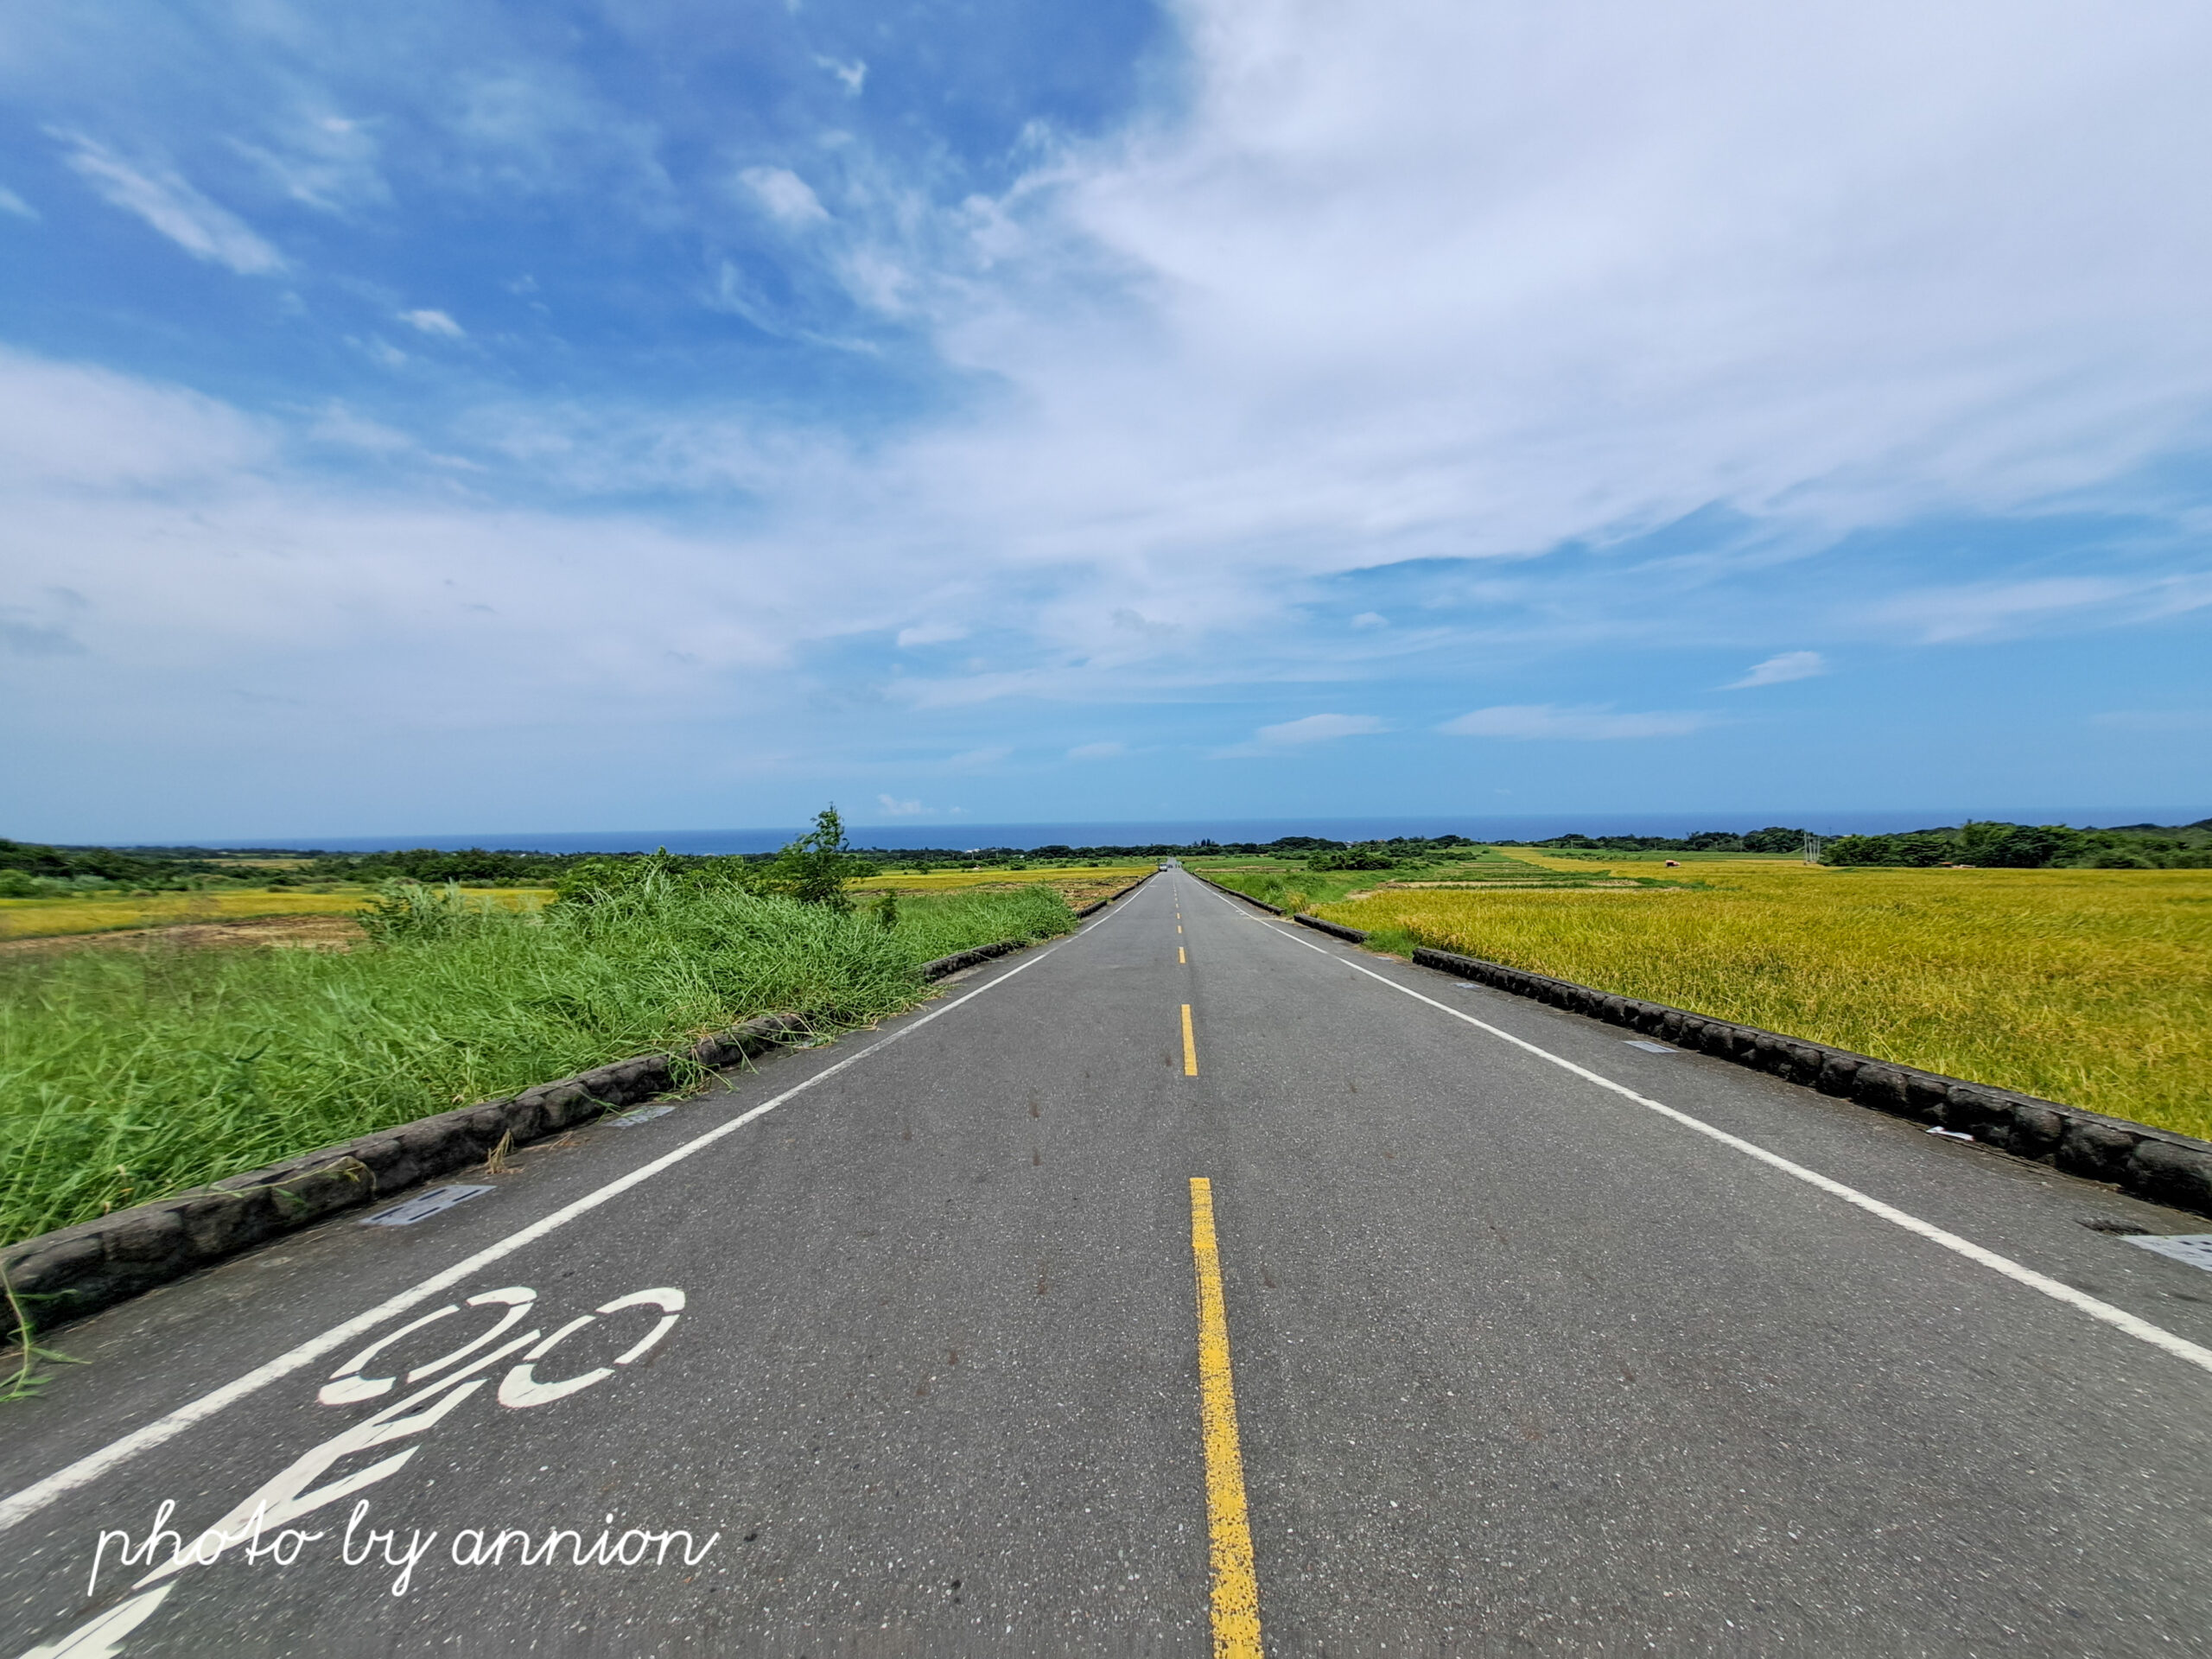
[(32, 918), (2090, 986)]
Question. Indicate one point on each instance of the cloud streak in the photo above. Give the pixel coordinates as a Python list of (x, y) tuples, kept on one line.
[(1536, 721), (1781, 670), (204, 229)]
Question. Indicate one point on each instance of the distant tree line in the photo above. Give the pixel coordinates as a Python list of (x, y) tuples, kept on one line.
[(29, 870), (819, 861), (1775, 838), (1993, 845)]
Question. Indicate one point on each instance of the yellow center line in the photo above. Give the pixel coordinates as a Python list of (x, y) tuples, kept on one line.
[(1190, 1046), (1236, 1579), (1180, 957)]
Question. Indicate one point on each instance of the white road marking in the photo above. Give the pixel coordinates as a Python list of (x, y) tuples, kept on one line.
[(86, 1469), (2119, 1317)]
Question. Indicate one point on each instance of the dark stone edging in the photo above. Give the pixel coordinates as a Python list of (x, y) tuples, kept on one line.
[(2154, 1164), (1260, 904), (982, 953), (76, 1271)]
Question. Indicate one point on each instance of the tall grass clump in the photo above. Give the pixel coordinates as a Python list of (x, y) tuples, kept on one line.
[(126, 1075), (2090, 987)]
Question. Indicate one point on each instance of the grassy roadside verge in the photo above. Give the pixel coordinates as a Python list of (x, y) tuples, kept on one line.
[(128, 1075), (2090, 987)]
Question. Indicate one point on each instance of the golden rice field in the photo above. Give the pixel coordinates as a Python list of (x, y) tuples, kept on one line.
[(944, 880), (38, 919), (2090, 986)]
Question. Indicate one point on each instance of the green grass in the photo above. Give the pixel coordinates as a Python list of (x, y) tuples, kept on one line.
[(125, 1076)]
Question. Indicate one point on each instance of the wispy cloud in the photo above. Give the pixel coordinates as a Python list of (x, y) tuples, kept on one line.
[(202, 228), (1543, 720), (785, 194), (892, 806), (929, 633), (12, 203), (1098, 751), (1319, 729), (852, 74), (1781, 670), (1999, 609), (433, 322)]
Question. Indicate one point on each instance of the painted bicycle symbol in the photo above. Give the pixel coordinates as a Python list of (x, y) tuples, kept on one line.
[(448, 1380)]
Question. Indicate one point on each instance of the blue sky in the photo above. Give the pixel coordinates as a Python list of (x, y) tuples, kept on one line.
[(437, 417)]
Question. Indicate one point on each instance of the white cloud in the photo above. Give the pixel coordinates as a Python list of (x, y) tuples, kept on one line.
[(1098, 751), (785, 194), (851, 74), (12, 203), (328, 162), (1370, 620), (1781, 670), (929, 633), (1319, 729), (1623, 269), (64, 424), (161, 197), (433, 322), (1543, 720), (1999, 609), (892, 806), (340, 427)]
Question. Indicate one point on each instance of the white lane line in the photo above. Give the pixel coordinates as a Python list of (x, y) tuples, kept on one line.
[(2119, 1317), (32, 1499)]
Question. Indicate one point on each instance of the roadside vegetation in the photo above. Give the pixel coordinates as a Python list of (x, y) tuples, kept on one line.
[(1334, 876), (127, 1075), (2089, 985)]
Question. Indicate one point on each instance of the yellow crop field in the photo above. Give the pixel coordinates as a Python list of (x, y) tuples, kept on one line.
[(947, 881), (2090, 986), (38, 919)]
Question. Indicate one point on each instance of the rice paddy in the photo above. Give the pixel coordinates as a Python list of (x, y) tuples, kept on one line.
[(2090, 987)]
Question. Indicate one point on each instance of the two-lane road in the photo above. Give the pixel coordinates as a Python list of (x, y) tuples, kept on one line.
[(1489, 1332)]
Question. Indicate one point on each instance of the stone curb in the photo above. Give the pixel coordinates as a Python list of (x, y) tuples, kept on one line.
[(76, 1271), (959, 959), (2154, 1164), (1258, 904)]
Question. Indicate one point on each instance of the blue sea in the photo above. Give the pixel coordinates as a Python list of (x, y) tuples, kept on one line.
[(1183, 832)]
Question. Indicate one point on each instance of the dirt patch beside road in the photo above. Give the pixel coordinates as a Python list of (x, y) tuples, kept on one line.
[(310, 932)]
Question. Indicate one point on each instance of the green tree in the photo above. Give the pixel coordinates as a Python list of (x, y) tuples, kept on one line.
[(815, 869)]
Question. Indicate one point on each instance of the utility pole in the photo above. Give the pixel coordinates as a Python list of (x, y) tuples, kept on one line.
[(1812, 847)]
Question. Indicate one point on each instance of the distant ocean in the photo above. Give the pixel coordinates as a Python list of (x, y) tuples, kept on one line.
[(1182, 832)]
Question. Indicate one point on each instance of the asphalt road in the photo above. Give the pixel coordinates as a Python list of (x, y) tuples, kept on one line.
[(1521, 1362)]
